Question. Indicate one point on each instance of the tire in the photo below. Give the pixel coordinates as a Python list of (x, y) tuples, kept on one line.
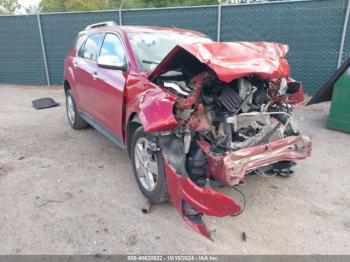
[(74, 118), (159, 192)]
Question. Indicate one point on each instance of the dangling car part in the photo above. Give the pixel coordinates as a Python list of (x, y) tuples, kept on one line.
[(191, 112), (233, 113)]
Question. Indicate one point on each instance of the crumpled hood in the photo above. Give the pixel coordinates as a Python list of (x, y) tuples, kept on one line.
[(231, 60)]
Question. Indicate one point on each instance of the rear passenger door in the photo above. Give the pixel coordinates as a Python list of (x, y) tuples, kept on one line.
[(85, 68)]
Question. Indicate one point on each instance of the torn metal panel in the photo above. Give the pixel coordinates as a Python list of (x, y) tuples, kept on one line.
[(183, 191), (231, 60), (205, 201), (231, 168), (156, 111)]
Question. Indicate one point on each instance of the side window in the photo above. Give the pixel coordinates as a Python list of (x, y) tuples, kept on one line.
[(89, 49), (112, 50)]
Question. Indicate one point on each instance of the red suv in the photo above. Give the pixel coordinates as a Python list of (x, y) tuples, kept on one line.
[(188, 110)]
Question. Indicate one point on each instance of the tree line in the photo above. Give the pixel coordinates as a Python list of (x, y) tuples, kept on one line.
[(14, 7)]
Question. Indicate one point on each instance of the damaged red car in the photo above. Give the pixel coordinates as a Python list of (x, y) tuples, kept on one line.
[(190, 112)]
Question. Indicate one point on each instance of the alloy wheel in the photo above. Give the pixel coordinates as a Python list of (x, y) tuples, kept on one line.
[(70, 109), (146, 165)]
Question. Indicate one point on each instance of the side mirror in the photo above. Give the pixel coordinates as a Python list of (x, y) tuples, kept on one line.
[(111, 62)]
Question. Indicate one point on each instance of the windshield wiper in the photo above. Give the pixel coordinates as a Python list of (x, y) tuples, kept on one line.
[(149, 62)]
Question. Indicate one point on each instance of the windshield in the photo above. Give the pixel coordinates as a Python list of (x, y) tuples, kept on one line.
[(151, 47)]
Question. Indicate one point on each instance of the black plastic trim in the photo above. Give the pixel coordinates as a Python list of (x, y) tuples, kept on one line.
[(104, 131)]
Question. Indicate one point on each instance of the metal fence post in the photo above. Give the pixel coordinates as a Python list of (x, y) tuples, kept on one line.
[(219, 24), (43, 48), (344, 34), (120, 17), (120, 13)]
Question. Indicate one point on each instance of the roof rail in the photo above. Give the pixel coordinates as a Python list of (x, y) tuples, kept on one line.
[(107, 23)]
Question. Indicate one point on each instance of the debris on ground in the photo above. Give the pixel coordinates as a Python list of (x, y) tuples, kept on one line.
[(43, 202), (43, 103), (132, 240), (147, 207), (244, 236)]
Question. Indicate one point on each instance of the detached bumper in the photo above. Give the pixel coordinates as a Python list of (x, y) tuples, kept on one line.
[(182, 191), (231, 168)]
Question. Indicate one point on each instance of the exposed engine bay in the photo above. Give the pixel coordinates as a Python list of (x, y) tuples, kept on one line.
[(228, 125), (229, 116)]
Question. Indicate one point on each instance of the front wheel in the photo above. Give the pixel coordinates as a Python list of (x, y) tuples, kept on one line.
[(148, 167)]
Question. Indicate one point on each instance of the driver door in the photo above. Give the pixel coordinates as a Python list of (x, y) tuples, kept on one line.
[(109, 82)]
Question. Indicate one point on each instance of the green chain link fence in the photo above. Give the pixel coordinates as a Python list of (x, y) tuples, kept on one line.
[(312, 28), (21, 60)]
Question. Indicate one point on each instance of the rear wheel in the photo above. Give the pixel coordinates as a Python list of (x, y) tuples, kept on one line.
[(74, 119), (148, 167)]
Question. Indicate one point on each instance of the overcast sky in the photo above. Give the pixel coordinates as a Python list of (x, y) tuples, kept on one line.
[(28, 2)]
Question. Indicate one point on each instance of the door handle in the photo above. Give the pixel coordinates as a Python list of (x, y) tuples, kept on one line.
[(94, 75)]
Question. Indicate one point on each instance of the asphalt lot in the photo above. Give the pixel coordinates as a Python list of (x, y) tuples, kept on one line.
[(73, 192)]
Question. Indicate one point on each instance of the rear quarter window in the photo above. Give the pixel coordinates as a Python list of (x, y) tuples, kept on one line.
[(89, 49), (79, 40)]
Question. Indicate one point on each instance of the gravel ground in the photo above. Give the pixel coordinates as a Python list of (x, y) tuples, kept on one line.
[(73, 192)]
